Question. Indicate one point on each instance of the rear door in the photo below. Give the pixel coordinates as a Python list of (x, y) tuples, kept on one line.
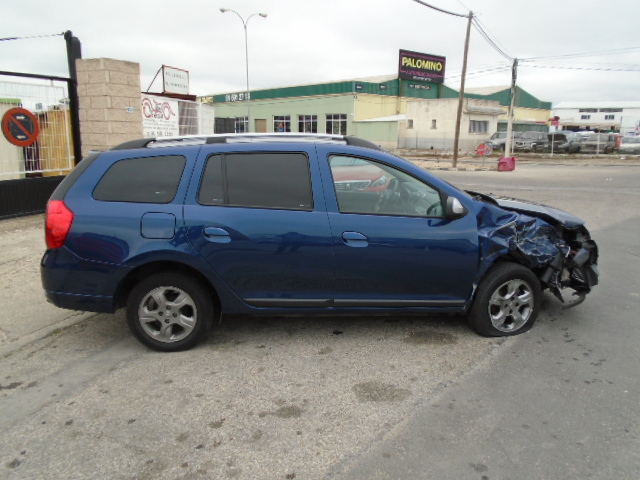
[(259, 220)]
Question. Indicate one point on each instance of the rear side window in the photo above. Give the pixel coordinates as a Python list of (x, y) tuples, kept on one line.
[(263, 180), (141, 180)]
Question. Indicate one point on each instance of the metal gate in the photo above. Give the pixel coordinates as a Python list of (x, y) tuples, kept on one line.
[(37, 143)]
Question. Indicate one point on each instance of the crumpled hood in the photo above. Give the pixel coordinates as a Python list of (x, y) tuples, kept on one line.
[(553, 243), (552, 215)]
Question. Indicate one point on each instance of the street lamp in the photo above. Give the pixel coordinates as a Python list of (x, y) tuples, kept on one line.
[(246, 55)]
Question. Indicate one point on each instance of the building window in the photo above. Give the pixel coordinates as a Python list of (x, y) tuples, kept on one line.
[(337, 123), (282, 123), (434, 124), (609, 117), (610, 110), (242, 125), (478, 126), (308, 123), (585, 117), (410, 123), (588, 110)]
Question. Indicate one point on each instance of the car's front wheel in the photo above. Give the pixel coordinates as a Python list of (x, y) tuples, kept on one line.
[(507, 301), (169, 312)]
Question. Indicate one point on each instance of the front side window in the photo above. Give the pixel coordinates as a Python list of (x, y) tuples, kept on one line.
[(367, 187), (336, 123), (141, 180), (260, 180), (308, 123), (478, 126), (282, 123)]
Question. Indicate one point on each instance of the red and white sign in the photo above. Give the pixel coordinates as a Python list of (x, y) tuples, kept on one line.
[(484, 149), (20, 127), (160, 117)]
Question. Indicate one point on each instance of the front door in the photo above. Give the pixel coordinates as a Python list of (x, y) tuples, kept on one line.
[(261, 125), (392, 245)]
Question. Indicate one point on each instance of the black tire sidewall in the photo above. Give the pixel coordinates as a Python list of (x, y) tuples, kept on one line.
[(494, 278), (189, 285)]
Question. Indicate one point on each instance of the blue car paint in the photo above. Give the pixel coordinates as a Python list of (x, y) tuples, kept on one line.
[(255, 259)]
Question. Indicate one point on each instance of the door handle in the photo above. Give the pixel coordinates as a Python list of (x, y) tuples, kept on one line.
[(217, 235), (355, 239)]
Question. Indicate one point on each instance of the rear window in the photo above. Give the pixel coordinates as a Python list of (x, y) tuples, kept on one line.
[(141, 180), (263, 180)]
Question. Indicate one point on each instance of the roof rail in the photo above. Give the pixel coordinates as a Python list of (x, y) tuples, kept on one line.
[(246, 138)]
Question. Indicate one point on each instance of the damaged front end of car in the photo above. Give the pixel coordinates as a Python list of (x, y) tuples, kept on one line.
[(554, 244)]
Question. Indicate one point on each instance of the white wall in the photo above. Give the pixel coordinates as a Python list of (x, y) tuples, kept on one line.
[(431, 124)]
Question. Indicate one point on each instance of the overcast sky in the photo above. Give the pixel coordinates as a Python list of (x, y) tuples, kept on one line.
[(316, 41)]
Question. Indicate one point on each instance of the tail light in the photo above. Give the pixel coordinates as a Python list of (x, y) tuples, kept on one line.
[(58, 223)]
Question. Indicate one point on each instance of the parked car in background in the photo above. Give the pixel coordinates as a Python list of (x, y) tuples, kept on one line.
[(630, 145), (532, 142), (499, 139), (565, 141), (597, 143), (350, 173)]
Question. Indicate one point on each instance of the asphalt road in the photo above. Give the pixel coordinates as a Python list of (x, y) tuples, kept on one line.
[(337, 397), (562, 400)]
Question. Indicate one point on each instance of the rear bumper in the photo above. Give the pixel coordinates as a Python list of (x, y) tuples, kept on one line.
[(80, 302), (76, 284)]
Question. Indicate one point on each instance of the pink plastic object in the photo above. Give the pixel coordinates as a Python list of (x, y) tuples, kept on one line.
[(507, 164)]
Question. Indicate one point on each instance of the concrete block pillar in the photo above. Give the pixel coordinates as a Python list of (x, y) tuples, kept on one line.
[(109, 102)]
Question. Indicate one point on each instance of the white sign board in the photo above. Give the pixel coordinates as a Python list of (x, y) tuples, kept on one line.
[(175, 80), (160, 117)]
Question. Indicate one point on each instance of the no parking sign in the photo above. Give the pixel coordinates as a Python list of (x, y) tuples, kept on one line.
[(484, 149), (20, 127)]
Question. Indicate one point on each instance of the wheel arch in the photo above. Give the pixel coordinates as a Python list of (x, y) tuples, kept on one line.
[(507, 258), (151, 268)]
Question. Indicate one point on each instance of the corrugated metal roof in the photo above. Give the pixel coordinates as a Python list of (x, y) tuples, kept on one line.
[(487, 90)]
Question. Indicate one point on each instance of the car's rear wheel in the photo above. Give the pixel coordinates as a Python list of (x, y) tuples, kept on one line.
[(169, 312), (507, 301)]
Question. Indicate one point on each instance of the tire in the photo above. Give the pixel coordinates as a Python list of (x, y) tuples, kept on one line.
[(169, 312), (507, 301)]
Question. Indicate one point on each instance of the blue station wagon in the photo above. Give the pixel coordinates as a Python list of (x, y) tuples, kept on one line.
[(180, 231)]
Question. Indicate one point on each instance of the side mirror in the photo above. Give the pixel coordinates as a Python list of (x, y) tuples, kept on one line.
[(454, 209)]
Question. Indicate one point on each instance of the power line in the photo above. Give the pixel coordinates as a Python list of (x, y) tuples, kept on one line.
[(592, 54), (440, 9), (482, 30), (587, 68), (32, 36)]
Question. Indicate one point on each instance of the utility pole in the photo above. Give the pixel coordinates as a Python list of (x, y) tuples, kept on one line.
[(456, 140), (74, 52), (514, 78)]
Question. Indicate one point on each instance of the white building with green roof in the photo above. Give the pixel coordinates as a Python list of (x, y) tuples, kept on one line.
[(390, 111)]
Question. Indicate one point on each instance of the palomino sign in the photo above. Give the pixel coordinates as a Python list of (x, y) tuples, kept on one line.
[(421, 67)]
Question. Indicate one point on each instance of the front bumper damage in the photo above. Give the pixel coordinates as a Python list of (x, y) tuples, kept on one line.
[(558, 248)]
